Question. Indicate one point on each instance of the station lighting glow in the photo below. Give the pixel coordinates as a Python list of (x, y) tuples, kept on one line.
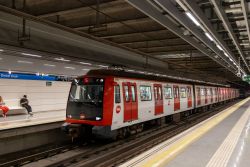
[(85, 69), (219, 47), (9, 72), (31, 55), (84, 63), (193, 18), (209, 36), (62, 59), (226, 54), (49, 65), (230, 59), (24, 62), (72, 68), (1, 50)]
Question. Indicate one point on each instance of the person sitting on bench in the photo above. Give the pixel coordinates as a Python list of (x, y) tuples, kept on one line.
[(4, 108), (25, 103)]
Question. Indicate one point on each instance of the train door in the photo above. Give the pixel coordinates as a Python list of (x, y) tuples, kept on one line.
[(130, 101), (177, 104), (212, 95), (158, 99), (198, 90), (205, 94), (189, 97)]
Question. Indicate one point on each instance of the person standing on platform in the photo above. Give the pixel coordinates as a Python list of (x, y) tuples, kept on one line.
[(4, 108), (25, 103)]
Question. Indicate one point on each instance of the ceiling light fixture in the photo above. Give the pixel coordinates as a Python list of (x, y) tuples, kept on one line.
[(219, 47), (49, 65), (103, 66), (62, 59), (72, 68), (25, 62), (209, 36), (1, 50), (193, 18), (226, 54), (31, 55), (85, 63)]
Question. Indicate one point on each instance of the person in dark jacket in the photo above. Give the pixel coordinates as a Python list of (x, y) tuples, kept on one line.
[(25, 103)]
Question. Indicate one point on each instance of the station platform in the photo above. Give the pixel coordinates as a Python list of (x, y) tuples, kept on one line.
[(222, 140), (18, 121)]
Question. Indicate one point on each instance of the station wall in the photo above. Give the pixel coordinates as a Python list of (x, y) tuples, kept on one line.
[(42, 96)]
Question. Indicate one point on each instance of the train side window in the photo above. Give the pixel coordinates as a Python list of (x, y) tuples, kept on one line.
[(208, 92), (183, 93), (117, 94), (168, 93), (126, 93), (145, 93), (133, 93), (202, 92)]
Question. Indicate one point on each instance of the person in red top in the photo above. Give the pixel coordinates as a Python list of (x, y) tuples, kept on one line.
[(4, 108)]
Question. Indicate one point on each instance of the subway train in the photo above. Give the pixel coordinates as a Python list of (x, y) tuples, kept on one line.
[(113, 104)]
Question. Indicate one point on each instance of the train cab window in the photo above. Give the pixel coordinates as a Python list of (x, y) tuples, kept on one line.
[(189, 94), (183, 93), (126, 93), (145, 93), (133, 93), (117, 94), (168, 93)]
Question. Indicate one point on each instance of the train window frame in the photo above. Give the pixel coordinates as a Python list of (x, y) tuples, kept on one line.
[(150, 92), (171, 92), (183, 92), (117, 92)]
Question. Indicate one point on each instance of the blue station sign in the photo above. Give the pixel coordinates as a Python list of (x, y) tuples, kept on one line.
[(5, 75)]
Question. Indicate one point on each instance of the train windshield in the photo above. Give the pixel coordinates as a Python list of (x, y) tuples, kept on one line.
[(86, 99), (92, 94)]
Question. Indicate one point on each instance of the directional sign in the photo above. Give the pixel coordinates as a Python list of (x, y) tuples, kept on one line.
[(247, 78)]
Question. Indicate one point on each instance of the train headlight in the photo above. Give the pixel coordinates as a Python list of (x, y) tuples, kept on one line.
[(82, 116)]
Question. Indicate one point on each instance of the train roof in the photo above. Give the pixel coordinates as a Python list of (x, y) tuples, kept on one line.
[(125, 74)]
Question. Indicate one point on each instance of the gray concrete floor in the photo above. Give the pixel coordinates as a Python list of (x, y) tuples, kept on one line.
[(200, 152)]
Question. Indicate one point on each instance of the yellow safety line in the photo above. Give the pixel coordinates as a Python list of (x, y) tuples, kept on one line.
[(162, 158)]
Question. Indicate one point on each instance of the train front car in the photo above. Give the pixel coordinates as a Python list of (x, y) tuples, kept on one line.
[(86, 109)]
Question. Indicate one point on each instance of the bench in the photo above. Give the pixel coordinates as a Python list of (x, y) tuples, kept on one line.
[(14, 106)]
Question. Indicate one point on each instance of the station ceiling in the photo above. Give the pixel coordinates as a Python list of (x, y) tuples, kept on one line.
[(158, 33)]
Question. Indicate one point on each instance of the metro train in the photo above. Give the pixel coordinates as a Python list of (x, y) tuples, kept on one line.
[(113, 104)]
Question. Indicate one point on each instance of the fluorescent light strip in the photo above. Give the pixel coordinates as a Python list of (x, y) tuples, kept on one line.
[(49, 65), (85, 69), (70, 68), (31, 55), (219, 47), (1, 50), (25, 62), (230, 59), (62, 59), (193, 18), (226, 54), (85, 63), (209, 36)]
